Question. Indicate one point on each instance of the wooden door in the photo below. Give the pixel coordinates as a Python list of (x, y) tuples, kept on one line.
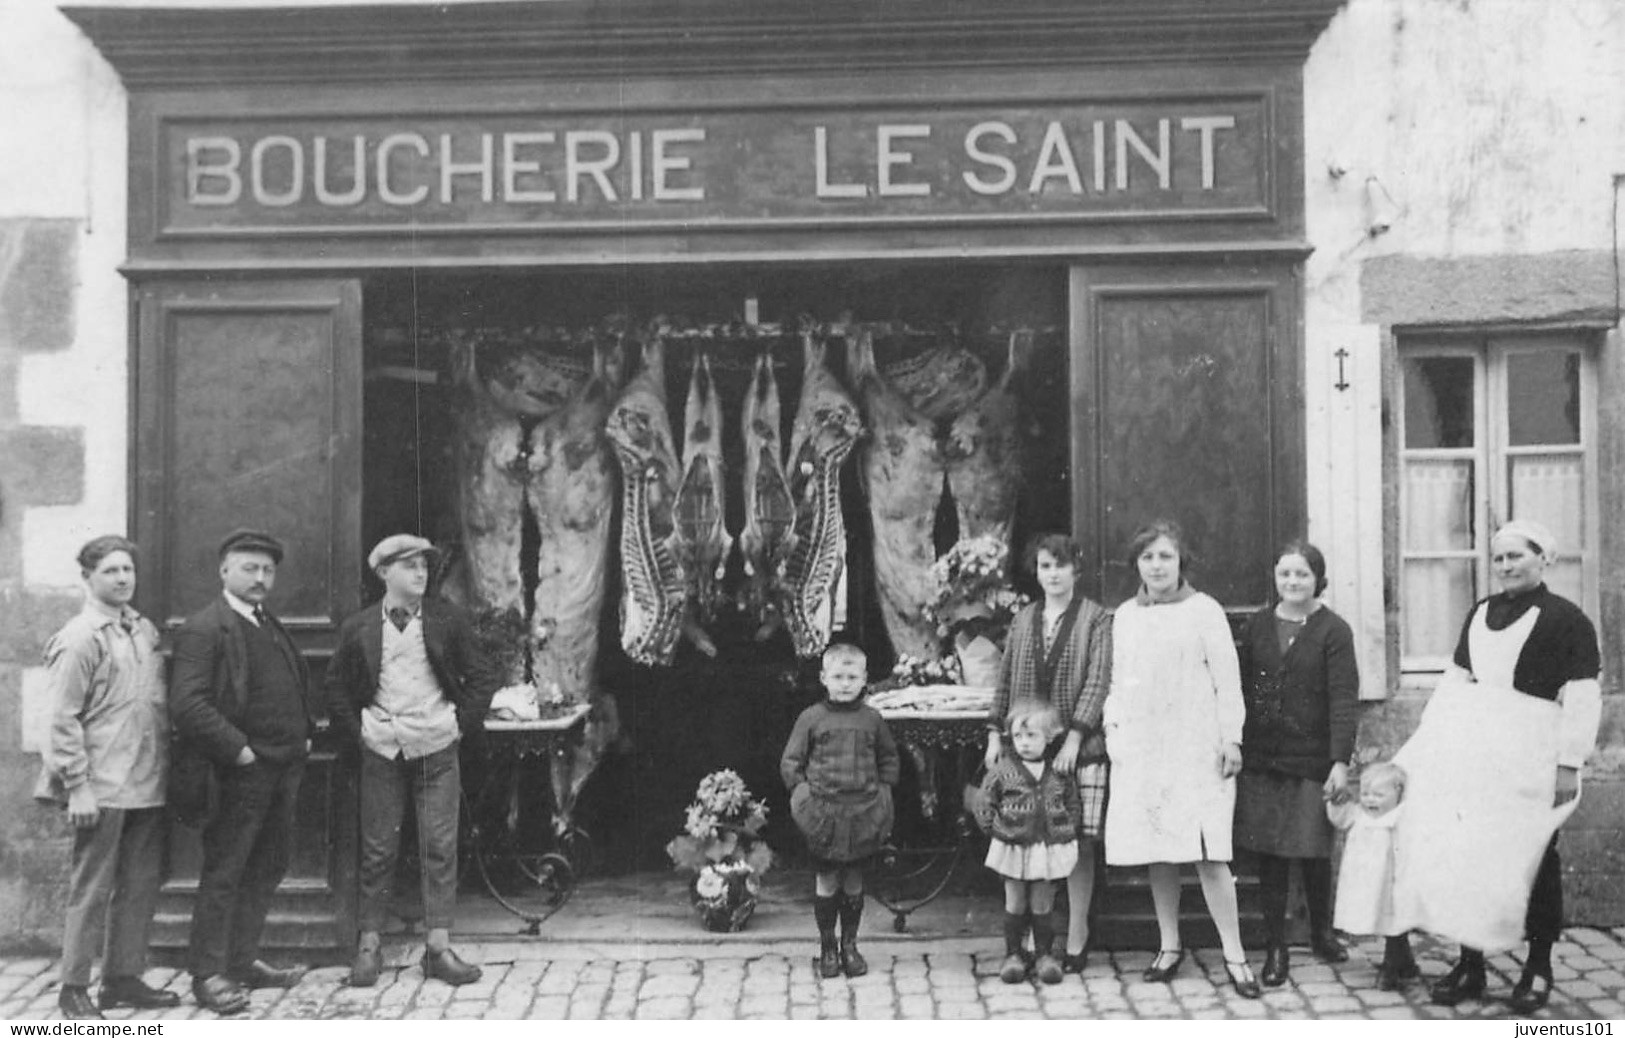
[(247, 404), (1188, 404)]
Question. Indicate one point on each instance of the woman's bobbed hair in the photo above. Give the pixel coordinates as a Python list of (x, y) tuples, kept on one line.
[(1311, 555), (1147, 534), (1060, 547)]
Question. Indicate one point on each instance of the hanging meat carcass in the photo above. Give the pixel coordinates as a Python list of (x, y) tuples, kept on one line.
[(983, 452), (769, 508), (572, 498), (826, 429), (701, 531), (492, 399), (903, 473), (655, 600)]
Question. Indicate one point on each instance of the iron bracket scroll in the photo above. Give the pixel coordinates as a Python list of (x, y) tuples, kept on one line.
[(551, 868), (947, 738)]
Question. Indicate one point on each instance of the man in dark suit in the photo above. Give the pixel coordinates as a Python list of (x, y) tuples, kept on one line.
[(406, 683), (240, 697)]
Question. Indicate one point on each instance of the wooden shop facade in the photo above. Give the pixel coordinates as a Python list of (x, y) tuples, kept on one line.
[(362, 238)]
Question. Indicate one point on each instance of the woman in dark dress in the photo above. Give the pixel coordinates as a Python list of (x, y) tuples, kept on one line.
[(1494, 771), (1060, 651), (1301, 688)]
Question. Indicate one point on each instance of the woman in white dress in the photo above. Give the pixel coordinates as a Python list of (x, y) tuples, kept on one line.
[(1173, 721), (1494, 770)]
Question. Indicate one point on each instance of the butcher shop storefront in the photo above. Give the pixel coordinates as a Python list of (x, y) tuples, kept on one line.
[(697, 340)]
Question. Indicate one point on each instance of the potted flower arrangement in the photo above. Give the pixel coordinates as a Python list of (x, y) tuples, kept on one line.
[(974, 605), (722, 846)]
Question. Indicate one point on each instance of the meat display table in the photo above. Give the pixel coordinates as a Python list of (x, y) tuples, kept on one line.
[(946, 747), (537, 873)]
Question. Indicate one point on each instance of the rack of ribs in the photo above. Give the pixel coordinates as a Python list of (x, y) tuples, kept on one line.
[(769, 508), (654, 602), (826, 429), (903, 472), (701, 530), (572, 497), (984, 453)]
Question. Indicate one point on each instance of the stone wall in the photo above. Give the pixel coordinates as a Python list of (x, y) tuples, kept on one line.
[(1462, 167), (63, 390)]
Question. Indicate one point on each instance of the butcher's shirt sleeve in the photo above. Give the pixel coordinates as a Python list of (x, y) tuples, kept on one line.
[(1225, 670), (1582, 714), (71, 659)]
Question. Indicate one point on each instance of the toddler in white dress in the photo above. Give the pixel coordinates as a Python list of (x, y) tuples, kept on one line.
[(1365, 883)]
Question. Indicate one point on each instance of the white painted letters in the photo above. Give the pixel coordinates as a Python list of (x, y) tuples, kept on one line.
[(887, 158), (974, 151), (821, 185), (663, 163), (199, 171)]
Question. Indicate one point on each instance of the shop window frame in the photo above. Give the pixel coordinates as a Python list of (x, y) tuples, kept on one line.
[(1491, 454)]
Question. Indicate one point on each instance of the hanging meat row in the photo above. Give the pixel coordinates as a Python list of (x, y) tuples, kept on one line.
[(928, 428)]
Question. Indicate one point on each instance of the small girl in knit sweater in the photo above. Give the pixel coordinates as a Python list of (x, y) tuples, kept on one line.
[(1365, 884), (839, 764), (1030, 810)]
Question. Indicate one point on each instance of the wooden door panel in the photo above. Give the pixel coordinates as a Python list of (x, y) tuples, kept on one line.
[(1188, 406), (248, 413)]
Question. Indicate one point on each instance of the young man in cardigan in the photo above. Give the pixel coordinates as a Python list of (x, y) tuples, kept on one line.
[(406, 684)]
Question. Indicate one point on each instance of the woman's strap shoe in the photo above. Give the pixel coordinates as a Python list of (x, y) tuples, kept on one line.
[(1165, 965), (1464, 981), (1530, 993), (1075, 963), (75, 1004), (1242, 979), (447, 966)]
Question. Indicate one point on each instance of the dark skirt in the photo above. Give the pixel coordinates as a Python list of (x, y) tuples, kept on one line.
[(1283, 815), (843, 829)]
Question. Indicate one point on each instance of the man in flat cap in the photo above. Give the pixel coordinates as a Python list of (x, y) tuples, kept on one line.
[(406, 683), (240, 698)]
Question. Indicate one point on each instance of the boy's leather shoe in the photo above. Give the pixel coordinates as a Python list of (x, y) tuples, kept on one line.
[(1393, 976), (853, 964), (1327, 947), (829, 959), (446, 965), (75, 1004), (136, 993), (1013, 970), (219, 993), (1048, 969), (259, 974)]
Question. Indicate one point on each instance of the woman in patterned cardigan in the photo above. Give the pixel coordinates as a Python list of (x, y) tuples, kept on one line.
[(1060, 651)]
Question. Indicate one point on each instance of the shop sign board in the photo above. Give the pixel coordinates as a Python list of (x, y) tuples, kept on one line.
[(719, 168)]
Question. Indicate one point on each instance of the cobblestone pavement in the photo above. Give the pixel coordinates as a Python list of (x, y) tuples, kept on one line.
[(918, 979)]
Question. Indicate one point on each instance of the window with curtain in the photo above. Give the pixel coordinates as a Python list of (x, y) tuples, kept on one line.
[(1492, 427)]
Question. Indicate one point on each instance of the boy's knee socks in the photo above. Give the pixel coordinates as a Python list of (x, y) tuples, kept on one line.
[(1015, 928), (825, 911), (851, 912), (1043, 933)]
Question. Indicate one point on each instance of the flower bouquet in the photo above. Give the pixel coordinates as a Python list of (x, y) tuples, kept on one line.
[(721, 844), (974, 605)]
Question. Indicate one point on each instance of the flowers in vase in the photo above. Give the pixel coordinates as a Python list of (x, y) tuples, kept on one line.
[(721, 844), (974, 597)]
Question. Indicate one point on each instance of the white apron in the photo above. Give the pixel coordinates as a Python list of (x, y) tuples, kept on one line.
[(1482, 772)]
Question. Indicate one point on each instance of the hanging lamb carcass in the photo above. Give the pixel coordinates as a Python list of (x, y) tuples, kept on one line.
[(826, 429), (654, 602)]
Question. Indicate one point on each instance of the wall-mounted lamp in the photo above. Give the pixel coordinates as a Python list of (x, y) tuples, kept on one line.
[(1381, 211)]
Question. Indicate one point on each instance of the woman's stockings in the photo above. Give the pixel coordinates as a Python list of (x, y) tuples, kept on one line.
[(1165, 898), (1219, 888), (1080, 891)]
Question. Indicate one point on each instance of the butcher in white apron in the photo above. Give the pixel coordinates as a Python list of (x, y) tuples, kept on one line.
[(1494, 770)]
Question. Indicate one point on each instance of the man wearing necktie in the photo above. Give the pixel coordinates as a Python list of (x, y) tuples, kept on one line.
[(240, 699), (408, 682)]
